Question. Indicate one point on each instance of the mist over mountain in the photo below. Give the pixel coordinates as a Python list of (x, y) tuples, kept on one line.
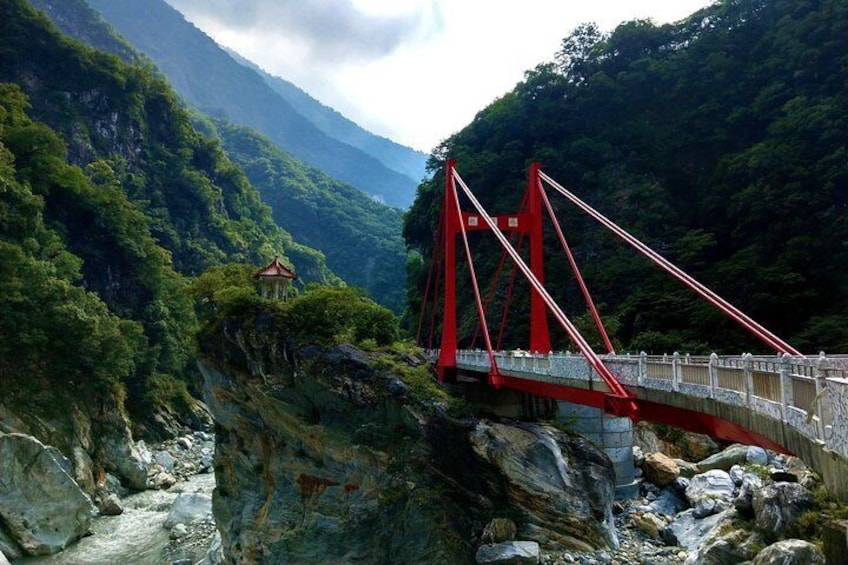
[(211, 80), (395, 156)]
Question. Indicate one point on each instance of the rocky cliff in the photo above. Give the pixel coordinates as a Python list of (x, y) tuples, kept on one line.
[(336, 454)]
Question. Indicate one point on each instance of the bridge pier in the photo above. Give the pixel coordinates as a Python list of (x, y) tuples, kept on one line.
[(612, 434)]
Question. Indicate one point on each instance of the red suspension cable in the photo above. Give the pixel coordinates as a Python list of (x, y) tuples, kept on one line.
[(583, 288), (480, 312), (740, 317), (616, 389)]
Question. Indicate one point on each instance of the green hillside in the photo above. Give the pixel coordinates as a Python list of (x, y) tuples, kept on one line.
[(720, 141), (109, 199), (359, 237)]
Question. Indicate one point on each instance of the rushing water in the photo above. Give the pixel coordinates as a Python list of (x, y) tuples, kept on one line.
[(135, 537)]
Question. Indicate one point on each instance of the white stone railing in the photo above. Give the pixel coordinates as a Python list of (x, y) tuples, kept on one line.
[(808, 394)]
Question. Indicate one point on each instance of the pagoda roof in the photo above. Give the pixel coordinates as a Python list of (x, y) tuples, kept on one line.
[(275, 269)]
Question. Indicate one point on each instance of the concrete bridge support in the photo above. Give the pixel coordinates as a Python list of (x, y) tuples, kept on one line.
[(614, 435)]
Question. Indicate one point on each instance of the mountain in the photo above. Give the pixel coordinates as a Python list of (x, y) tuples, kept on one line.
[(719, 141), (208, 78), (395, 156), (110, 200), (360, 238)]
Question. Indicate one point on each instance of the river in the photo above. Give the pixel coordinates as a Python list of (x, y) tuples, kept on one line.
[(135, 537)]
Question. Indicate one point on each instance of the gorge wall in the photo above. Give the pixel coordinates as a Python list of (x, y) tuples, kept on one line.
[(330, 454)]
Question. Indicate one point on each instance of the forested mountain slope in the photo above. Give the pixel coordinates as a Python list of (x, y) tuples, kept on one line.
[(359, 237), (216, 84), (720, 141), (110, 198)]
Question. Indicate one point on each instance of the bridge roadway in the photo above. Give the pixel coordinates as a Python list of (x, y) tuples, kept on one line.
[(789, 404)]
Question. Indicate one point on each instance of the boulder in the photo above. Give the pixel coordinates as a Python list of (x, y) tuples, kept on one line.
[(165, 459), (3, 560), (712, 484), (41, 505), (660, 469), (778, 506), (509, 553), (736, 454), (539, 465), (708, 506), (111, 506), (687, 531), (757, 456), (499, 530), (790, 552), (189, 507), (737, 473), (744, 501)]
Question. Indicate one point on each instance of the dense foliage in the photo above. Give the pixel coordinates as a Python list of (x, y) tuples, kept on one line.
[(321, 315), (719, 141), (359, 237), (110, 199)]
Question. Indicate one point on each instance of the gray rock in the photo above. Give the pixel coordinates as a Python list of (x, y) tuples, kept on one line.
[(777, 507), (737, 473), (144, 452), (8, 547), (124, 459), (165, 459), (709, 506), (790, 552), (680, 484), (3, 560), (185, 442), (41, 505), (509, 553), (736, 454), (111, 506), (164, 481), (687, 531), (178, 531), (215, 553), (539, 464), (669, 502), (744, 501), (189, 507), (757, 456), (712, 484)]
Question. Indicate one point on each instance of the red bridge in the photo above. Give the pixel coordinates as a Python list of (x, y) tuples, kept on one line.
[(786, 402)]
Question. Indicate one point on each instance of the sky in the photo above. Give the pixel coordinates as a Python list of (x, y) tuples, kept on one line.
[(415, 71)]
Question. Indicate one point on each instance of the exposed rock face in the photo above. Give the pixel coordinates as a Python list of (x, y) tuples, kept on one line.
[(321, 458), (790, 552), (41, 505), (567, 500), (779, 506)]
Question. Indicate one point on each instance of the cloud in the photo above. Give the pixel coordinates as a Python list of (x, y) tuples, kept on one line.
[(323, 31)]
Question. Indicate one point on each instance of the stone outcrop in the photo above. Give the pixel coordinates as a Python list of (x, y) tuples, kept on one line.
[(41, 505), (509, 553), (321, 456), (778, 507), (790, 552)]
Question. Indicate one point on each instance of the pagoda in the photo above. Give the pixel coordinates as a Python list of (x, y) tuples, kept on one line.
[(274, 280)]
